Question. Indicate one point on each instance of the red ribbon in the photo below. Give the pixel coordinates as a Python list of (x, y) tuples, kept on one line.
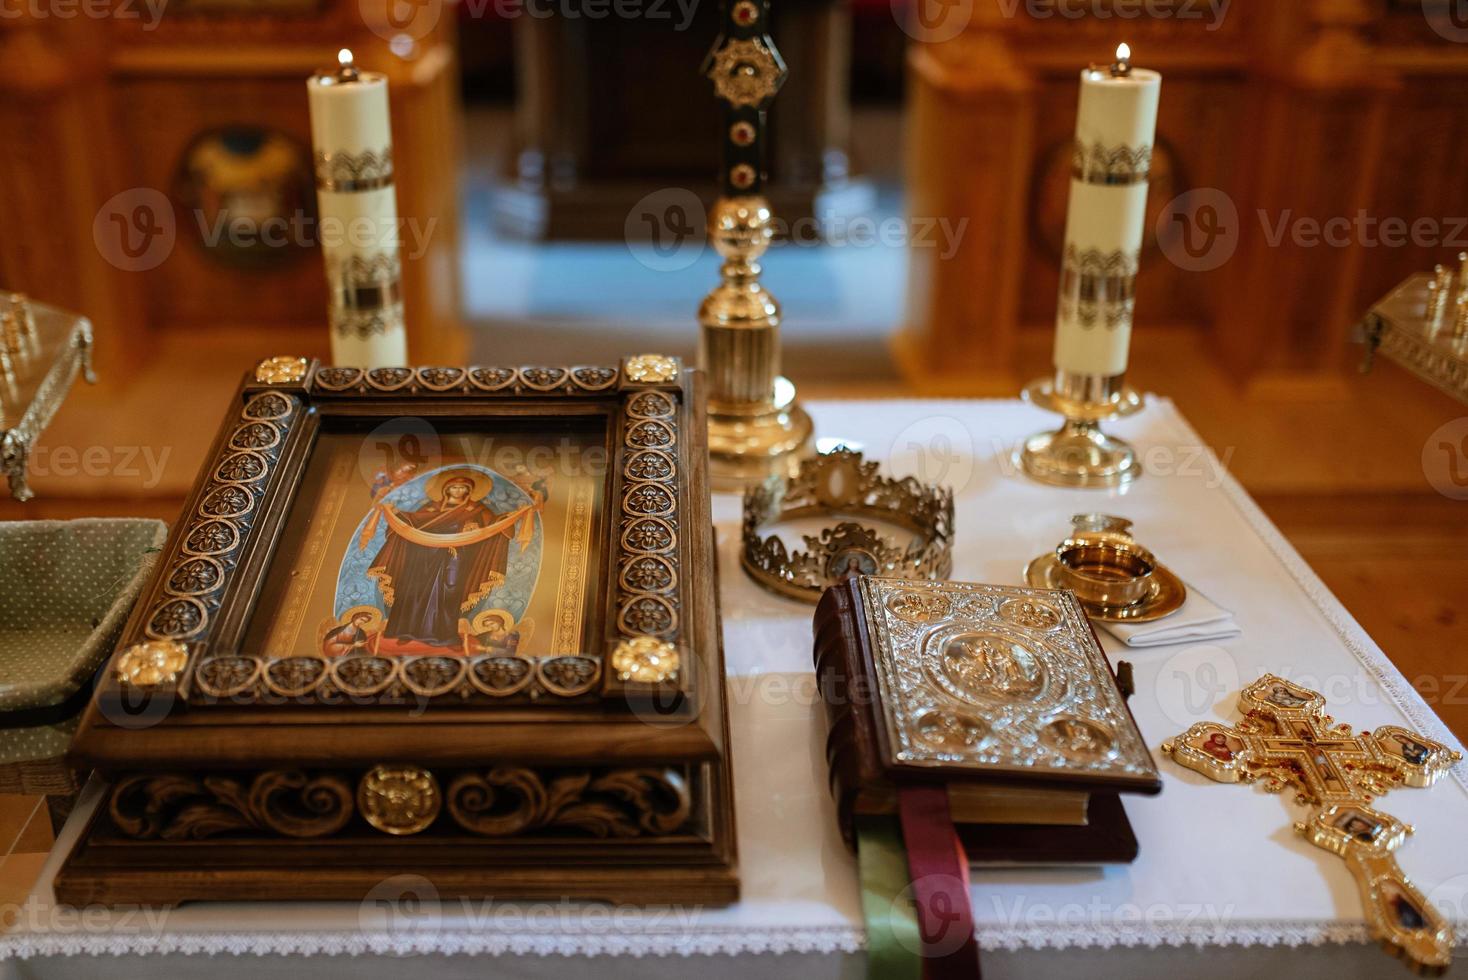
[(938, 869)]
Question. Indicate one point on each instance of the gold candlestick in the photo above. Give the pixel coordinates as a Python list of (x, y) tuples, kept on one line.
[(1079, 454), (756, 429)]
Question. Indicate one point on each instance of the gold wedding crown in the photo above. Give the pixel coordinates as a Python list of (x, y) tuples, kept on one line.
[(842, 483)]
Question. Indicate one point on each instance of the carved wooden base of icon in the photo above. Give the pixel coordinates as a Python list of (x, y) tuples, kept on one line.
[(338, 835)]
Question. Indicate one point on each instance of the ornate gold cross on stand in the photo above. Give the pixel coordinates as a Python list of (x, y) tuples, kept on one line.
[(1287, 740)]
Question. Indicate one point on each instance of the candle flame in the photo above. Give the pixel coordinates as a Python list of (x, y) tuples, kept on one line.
[(1123, 52), (344, 57)]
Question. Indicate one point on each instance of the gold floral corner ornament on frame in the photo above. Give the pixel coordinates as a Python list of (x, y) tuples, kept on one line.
[(1286, 740), (648, 369), (155, 663), (281, 370), (645, 660)]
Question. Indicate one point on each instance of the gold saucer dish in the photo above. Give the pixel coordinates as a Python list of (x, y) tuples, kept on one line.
[(1116, 579)]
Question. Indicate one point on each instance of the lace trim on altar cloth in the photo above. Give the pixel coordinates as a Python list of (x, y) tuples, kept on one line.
[(730, 941)]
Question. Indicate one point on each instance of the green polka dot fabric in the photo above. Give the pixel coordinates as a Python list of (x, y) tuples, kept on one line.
[(66, 589), (42, 744)]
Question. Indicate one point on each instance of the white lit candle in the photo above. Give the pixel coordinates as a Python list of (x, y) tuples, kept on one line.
[(352, 136), (1115, 134)]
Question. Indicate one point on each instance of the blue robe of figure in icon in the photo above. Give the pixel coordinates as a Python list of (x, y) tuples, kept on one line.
[(429, 588)]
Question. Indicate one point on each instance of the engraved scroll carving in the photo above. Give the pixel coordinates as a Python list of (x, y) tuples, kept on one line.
[(621, 803), (501, 801), (182, 807)]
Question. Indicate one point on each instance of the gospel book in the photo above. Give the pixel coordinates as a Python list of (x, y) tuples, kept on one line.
[(1001, 695)]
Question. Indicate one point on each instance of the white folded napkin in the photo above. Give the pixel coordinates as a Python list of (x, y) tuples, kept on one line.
[(1200, 620)]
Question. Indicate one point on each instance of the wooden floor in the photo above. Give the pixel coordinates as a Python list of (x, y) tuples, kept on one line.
[(1339, 467)]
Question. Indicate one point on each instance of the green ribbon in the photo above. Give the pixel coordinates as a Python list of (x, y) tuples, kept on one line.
[(894, 944)]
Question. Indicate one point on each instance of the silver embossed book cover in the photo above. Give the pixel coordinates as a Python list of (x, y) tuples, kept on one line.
[(989, 679)]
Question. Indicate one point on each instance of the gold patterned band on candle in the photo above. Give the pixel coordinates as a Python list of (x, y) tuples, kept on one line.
[(1111, 166), (353, 173), (365, 282), (1098, 287), (366, 295), (366, 324)]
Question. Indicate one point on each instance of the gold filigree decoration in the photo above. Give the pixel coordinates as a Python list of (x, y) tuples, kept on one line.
[(155, 663), (1287, 741), (842, 482), (507, 801), (645, 369), (746, 72), (399, 800), (281, 370), (645, 660)]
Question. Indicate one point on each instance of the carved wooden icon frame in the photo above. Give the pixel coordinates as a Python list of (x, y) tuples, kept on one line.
[(240, 770)]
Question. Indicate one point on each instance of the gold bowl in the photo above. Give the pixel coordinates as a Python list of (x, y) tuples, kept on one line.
[(1104, 571), (1116, 579)]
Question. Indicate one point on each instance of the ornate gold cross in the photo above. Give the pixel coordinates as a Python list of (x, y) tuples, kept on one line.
[(1287, 740)]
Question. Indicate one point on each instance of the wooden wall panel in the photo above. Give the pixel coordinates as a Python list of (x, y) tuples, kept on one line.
[(1314, 110), (130, 97)]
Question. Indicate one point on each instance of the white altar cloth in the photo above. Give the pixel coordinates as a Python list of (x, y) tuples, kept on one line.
[(1223, 887)]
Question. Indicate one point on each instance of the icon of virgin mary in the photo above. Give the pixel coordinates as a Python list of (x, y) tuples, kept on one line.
[(441, 560)]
